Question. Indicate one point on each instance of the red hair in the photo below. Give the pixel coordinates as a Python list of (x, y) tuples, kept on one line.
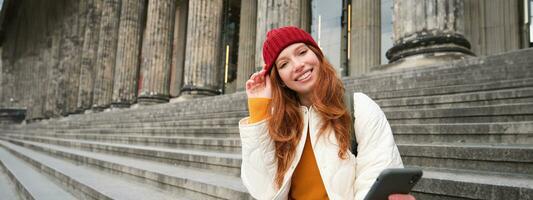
[(285, 124)]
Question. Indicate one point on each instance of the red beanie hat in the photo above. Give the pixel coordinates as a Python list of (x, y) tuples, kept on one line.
[(280, 38)]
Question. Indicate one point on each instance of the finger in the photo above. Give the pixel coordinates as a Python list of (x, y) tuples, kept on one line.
[(249, 84), (252, 77)]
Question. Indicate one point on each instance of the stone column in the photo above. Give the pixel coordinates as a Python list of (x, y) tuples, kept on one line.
[(76, 20), (246, 60), (492, 26), (128, 50), (55, 94), (38, 67), (277, 13), (89, 55), (365, 36), (178, 47), (428, 29), (202, 65), (156, 50), (66, 58), (106, 56), (52, 62)]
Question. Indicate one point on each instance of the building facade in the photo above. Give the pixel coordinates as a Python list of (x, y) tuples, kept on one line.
[(65, 57)]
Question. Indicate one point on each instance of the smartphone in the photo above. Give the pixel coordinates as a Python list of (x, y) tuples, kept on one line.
[(394, 181)]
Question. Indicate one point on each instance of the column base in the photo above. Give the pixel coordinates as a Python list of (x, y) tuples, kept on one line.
[(120, 105), (422, 43), (191, 90), (421, 60), (152, 99), (101, 108)]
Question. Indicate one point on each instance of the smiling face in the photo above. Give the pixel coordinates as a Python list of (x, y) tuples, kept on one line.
[(297, 66)]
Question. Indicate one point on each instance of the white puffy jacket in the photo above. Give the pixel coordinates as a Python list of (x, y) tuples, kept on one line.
[(344, 179)]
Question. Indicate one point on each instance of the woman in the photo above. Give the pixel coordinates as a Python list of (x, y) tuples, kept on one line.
[(295, 144)]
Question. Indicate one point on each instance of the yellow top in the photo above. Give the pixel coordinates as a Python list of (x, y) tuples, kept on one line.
[(306, 182)]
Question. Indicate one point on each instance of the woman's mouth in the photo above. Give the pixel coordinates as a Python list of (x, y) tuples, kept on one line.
[(305, 76)]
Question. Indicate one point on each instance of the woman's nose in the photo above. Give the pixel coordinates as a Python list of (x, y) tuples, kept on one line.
[(298, 66)]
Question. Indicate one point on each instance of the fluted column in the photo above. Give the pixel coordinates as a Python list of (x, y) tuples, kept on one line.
[(76, 19), (68, 52), (55, 84), (277, 13), (492, 26), (52, 63), (202, 64), (89, 55), (156, 51), (178, 47), (365, 36), (247, 28), (128, 50), (106, 56), (427, 28)]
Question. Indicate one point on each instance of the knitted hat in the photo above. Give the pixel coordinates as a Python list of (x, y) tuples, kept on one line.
[(280, 38)]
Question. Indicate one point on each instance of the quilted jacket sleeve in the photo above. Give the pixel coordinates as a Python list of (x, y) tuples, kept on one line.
[(258, 167), (376, 148)]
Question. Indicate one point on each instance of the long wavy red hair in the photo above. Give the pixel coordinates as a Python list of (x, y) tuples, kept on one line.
[(285, 123)]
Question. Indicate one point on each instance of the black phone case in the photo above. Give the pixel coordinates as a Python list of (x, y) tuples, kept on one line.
[(394, 181)]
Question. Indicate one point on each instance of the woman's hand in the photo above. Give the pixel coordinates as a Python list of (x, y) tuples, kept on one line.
[(401, 197), (258, 86)]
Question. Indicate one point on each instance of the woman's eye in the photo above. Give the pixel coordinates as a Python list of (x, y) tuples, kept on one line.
[(303, 52), (282, 65)]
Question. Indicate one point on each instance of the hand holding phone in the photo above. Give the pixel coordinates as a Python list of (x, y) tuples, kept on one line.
[(394, 181)]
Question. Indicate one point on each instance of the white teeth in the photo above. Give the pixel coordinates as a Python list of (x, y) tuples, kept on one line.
[(304, 76)]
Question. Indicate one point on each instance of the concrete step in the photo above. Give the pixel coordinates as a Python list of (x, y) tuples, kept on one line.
[(29, 182), (483, 133), (500, 113), (154, 131), (159, 117), (189, 182), (451, 89), (483, 98), (226, 144), (462, 71), (86, 182), (193, 107), (7, 187), (465, 184), (206, 122), (227, 163), (481, 157)]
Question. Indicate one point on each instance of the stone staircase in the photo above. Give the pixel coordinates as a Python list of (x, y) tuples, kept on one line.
[(468, 125)]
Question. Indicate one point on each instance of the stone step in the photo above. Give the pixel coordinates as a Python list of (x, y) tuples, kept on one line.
[(87, 182), (500, 113), (8, 190), (464, 71), (193, 107), (29, 182), (483, 98), (207, 122), (451, 89), (217, 132), (159, 117), (182, 181), (485, 133), (227, 163), (481, 157), (226, 144), (464, 184)]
